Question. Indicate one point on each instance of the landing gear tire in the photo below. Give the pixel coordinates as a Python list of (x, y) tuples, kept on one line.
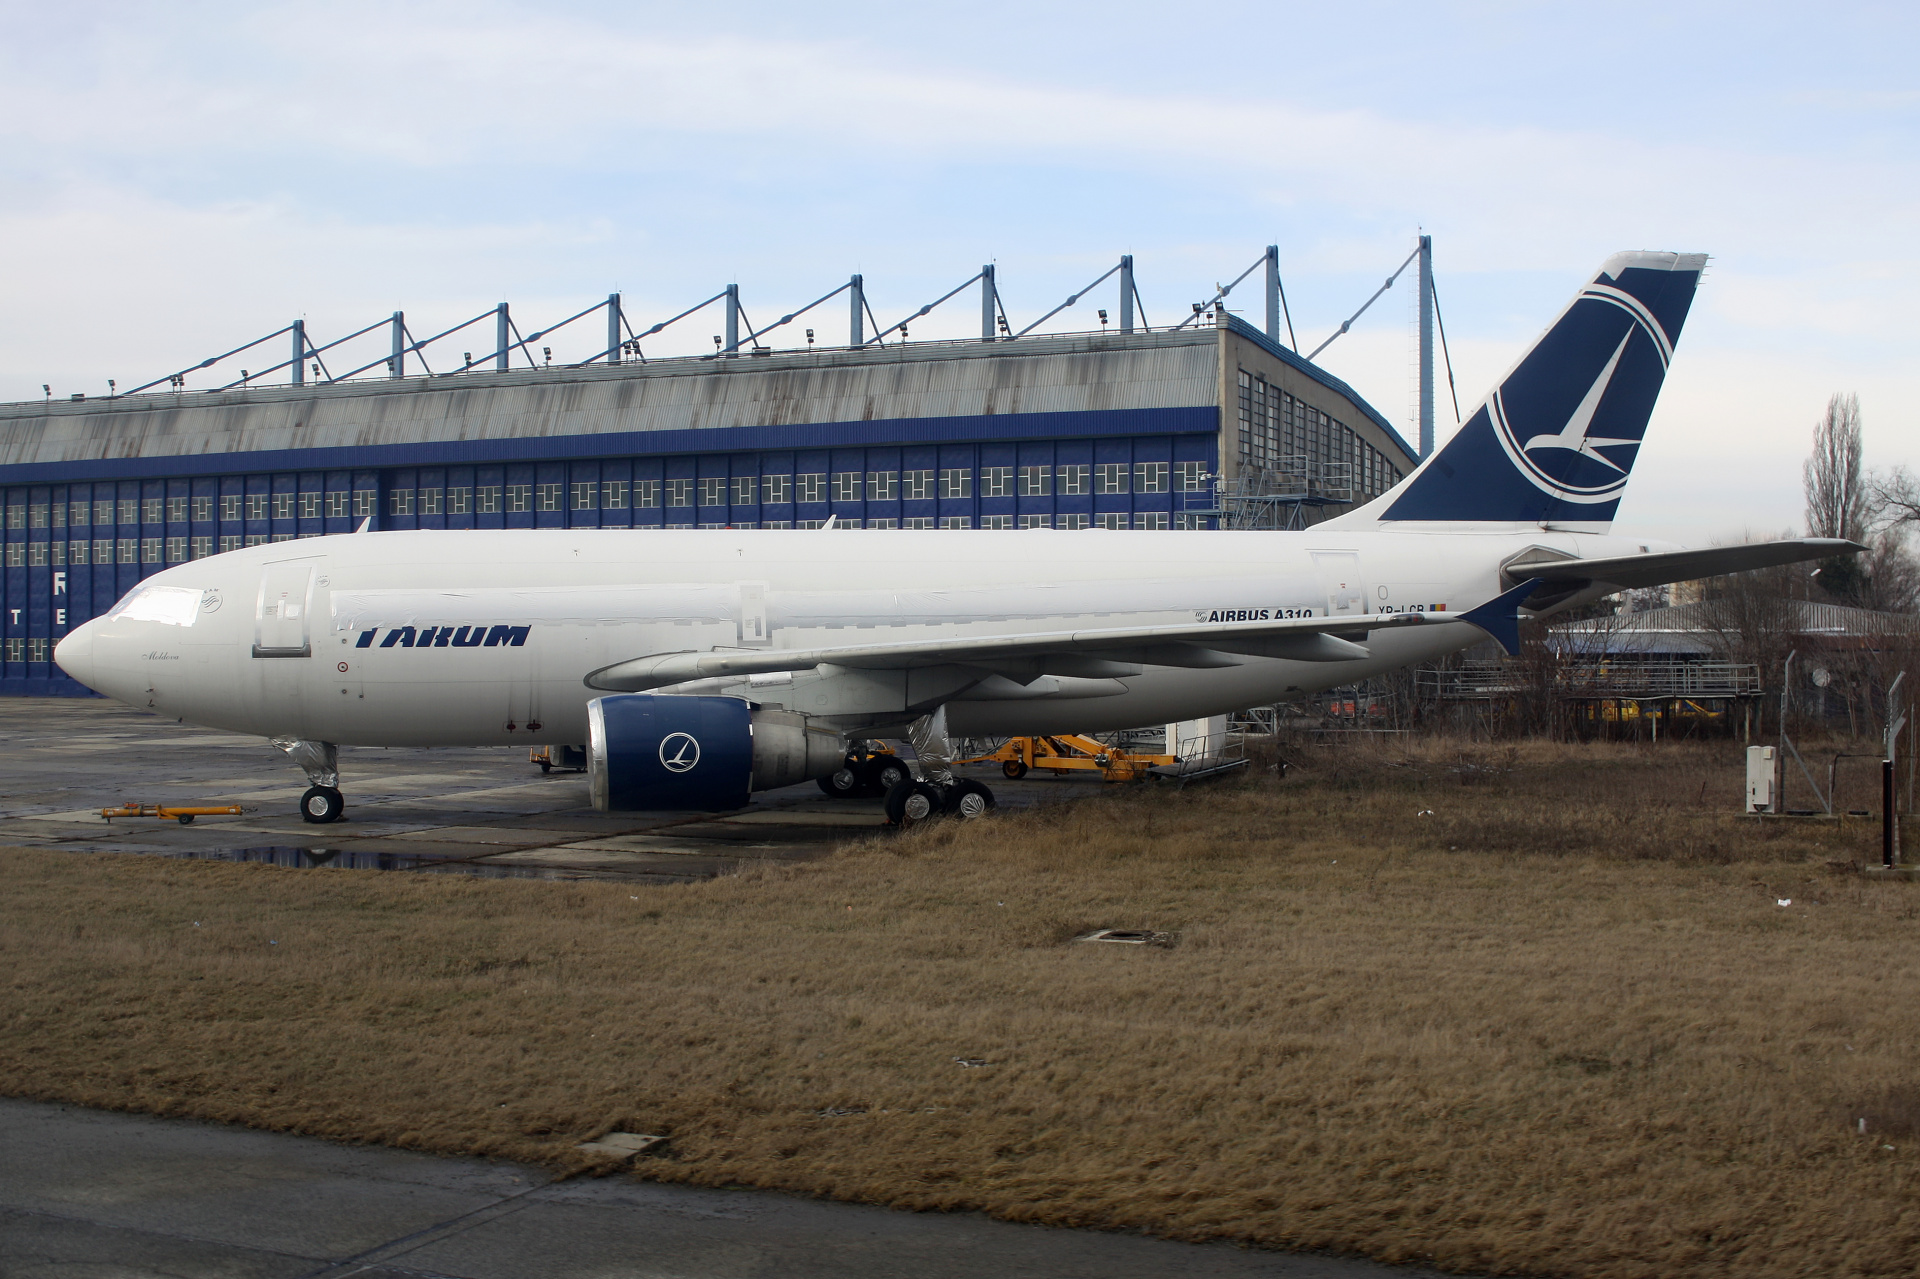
[(909, 803), (842, 783), (322, 804), (968, 799), (1014, 769), (890, 774), (545, 767), (186, 819)]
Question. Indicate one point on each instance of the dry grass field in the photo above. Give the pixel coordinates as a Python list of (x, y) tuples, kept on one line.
[(1531, 1010)]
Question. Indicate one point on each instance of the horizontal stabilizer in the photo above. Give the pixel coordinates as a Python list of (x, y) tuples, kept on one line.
[(1500, 617), (1631, 571)]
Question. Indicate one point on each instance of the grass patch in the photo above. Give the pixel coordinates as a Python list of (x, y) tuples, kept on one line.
[(1526, 1009)]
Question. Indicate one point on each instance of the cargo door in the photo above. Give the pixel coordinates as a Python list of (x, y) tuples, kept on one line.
[(1339, 573), (283, 618)]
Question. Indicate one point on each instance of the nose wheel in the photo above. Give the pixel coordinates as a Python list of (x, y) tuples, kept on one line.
[(322, 804)]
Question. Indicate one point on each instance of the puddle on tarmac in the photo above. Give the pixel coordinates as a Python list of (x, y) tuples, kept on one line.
[(356, 859)]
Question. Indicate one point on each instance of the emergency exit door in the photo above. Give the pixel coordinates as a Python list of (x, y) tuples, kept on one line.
[(1339, 573), (282, 618)]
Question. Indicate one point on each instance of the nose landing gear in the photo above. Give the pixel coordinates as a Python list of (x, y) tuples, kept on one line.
[(322, 804), (321, 762)]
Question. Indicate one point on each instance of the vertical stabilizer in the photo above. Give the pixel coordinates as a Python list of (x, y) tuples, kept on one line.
[(1556, 440)]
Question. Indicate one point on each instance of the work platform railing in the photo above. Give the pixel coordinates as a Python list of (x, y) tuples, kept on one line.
[(1479, 680)]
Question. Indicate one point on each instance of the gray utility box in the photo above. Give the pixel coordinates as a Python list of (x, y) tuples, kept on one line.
[(1763, 779)]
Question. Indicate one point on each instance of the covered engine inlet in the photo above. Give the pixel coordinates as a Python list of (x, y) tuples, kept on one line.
[(650, 751)]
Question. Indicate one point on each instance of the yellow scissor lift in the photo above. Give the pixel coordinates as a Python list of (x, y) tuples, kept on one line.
[(1069, 752)]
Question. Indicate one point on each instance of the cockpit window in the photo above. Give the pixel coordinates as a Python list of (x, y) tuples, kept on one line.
[(172, 605)]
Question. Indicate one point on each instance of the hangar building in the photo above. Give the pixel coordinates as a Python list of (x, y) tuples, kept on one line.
[(1183, 428)]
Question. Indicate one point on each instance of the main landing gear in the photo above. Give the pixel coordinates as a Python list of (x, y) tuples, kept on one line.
[(933, 790), (321, 763), (871, 768)]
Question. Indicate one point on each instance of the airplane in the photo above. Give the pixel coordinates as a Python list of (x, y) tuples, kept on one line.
[(699, 666)]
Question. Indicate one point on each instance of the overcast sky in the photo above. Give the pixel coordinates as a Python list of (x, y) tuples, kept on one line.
[(184, 177)]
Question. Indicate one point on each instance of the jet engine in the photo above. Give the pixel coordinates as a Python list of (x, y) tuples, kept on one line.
[(649, 751)]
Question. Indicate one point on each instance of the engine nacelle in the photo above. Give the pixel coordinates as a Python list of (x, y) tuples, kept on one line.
[(648, 751)]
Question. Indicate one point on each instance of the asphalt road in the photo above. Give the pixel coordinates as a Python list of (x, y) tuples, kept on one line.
[(474, 811), (92, 1195)]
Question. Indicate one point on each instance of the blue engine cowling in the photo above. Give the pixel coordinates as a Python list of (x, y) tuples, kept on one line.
[(651, 751)]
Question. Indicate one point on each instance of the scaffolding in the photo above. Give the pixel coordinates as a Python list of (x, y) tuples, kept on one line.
[(1272, 497)]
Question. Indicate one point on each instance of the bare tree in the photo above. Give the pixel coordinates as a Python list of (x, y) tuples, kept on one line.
[(1836, 489)]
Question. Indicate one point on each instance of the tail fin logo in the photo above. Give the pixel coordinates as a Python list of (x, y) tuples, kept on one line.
[(1588, 475)]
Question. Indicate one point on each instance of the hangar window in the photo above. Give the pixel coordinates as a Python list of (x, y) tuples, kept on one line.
[(713, 490), (366, 502), (1189, 477), (883, 486), (400, 501), (1036, 521), (37, 515), (813, 488), (460, 501), (59, 551), (176, 550), (916, 486), (256, 506), (613, 495), (777, 524), (309, 505), (679, 492), (519, 498), (176, 510), (776, 489), (103, 513), (646, 494), (883, 523), (203, 509), (153, 510), (1070, 521), (846, 486), (1155, 520), (955, 521), (743, 490), (283, 506), (77, 553), (336, 505), (16, 650), (103, 550), (1074, 479), (129, 550), (546, 497), (586, 497), (996, 521), (1111, 519), (202, 547), (956, 482), (151, 548), (230, 542), (996, 481), (37, 650), (917, 521), (430, 501), (486, 499), (256, 539), (1036, 481), (36, 554), (283, 537), (16, 516), (1110, 477), (1150, 477), (59, 514), (1189, 520), (82, 513)]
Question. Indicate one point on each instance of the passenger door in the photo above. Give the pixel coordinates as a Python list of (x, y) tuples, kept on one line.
[(283, 618), (1339, 573)]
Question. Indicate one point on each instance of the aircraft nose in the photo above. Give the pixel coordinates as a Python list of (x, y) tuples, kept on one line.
[(74, 654)]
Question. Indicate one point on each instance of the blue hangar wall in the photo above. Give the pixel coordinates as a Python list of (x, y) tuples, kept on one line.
[(1065, 433)]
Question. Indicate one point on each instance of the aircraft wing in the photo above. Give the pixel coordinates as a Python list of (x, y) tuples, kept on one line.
[(1629, 571), (1107, 652)]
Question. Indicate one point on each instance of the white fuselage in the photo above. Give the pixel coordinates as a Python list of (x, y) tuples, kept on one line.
[(483, 638)]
